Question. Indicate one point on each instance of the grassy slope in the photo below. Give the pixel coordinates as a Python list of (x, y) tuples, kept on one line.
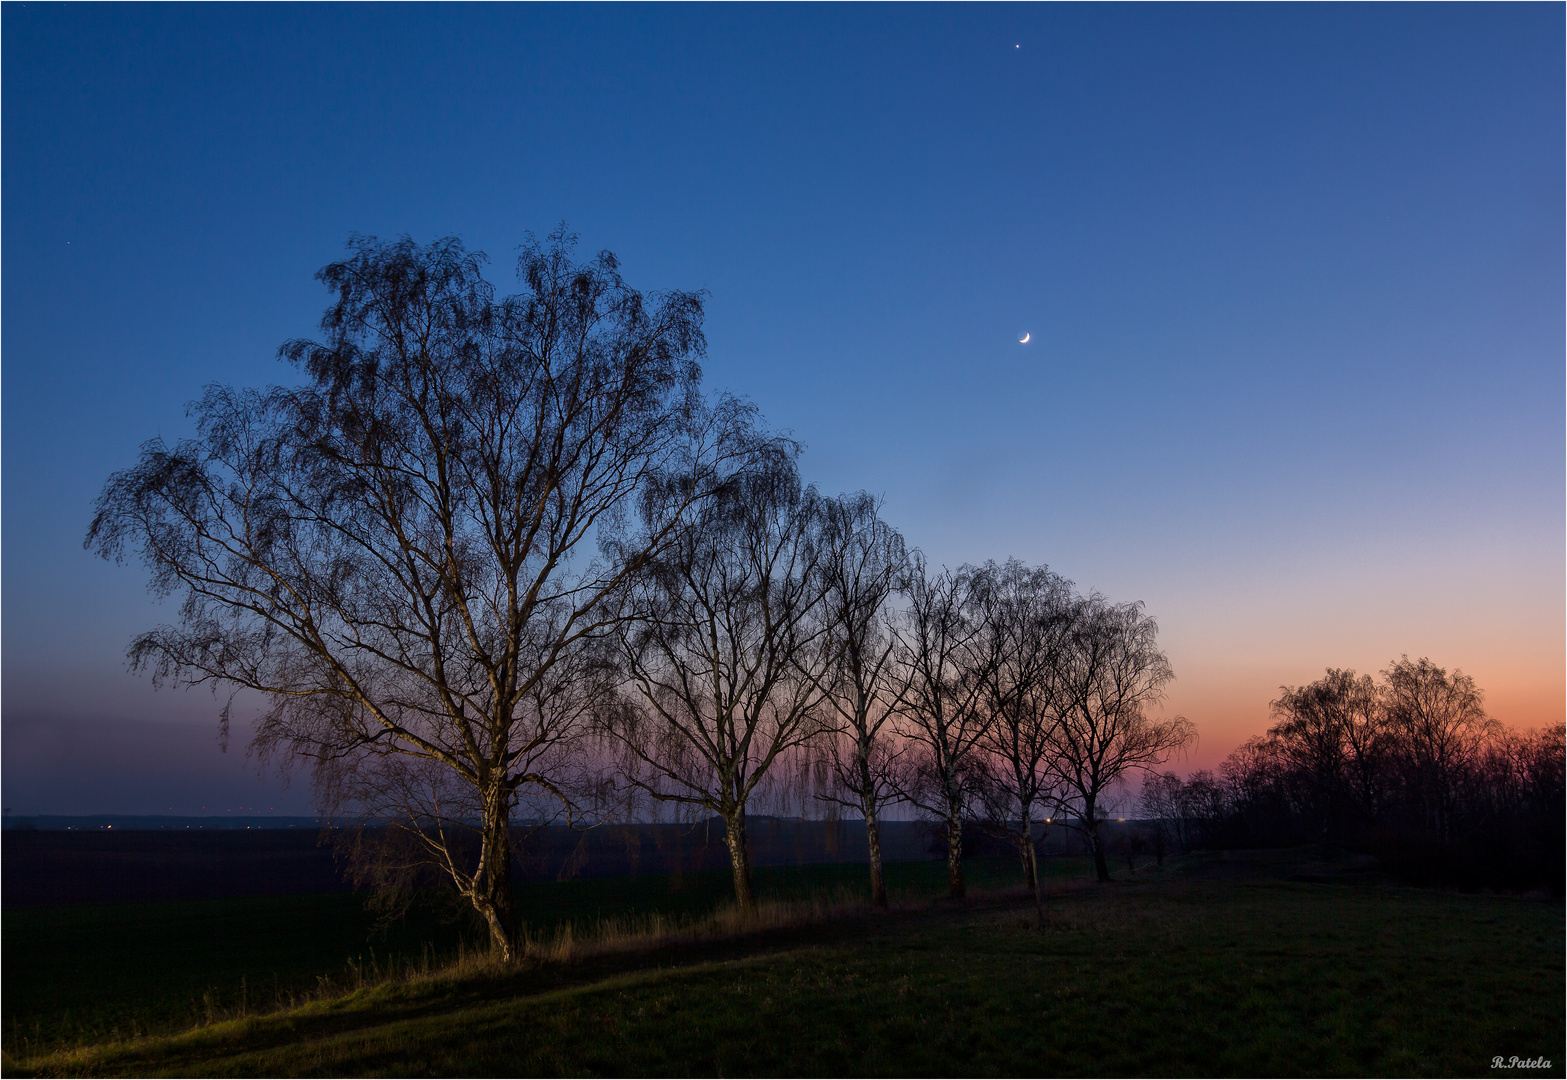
[(94, 972), (1192, 977)]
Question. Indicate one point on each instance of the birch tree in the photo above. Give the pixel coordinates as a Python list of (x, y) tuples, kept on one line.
[(863, 563), (398, 555), (1022, 617), (722, 645), (1111, 674), (941, 713)]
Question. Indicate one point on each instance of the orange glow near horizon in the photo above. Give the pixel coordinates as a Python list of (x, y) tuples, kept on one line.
[(1271, 615), (1231, 706)]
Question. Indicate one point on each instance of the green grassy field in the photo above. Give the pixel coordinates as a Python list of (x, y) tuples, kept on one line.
[(1174, 974)]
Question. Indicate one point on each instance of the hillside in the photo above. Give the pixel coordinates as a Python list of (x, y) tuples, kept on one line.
[(1206, 969)]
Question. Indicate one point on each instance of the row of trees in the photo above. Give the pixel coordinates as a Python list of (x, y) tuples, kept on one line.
[(1409, 767), (500, 560), (792, 628)]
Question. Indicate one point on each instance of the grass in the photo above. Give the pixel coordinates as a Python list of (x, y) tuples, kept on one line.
[(1178, 975), (95, 972), (99, 972)]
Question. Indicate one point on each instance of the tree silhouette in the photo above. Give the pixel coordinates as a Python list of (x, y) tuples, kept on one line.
[(942, 715), (863, 563), (722, 644), (1113, 672), (1024, 620), (398, 554)]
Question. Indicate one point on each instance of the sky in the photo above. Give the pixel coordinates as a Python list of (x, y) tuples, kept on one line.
[(1293, 278)]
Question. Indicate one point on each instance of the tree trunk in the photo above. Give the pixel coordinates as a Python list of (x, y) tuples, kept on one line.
[(1030, 856), (873, 846), (955, 886), (493, 882), (1025, 851), (1096, 844), (872, 834), (739, 859), (1101, 865)]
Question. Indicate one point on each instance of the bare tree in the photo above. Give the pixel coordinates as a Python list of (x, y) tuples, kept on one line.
[(1334, 734), (1441, 723), (863, 562), (722, 639), (1112, 673), (1161, 801), (941, 710), (398, 554), (1022, 618)]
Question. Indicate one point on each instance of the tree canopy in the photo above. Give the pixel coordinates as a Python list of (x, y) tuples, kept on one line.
[(408, 555)]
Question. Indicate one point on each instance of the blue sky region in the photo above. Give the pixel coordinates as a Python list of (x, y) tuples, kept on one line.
[(1292, 277)]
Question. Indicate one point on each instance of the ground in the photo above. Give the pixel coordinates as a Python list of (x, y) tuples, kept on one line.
[(1214, 966)]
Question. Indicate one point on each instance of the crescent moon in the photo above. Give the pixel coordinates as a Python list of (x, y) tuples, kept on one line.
[(1024, 339)]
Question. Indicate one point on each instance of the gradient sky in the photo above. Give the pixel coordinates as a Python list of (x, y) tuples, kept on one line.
[(1294, 277)]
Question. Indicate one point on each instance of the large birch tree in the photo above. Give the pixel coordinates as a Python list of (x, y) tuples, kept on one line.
[(398, 555)]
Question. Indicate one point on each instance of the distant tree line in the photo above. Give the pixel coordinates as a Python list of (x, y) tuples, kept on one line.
[(1409, 768)]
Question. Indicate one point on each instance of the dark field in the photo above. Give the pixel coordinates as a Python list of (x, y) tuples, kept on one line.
[(49, 867), (1269, 965), (53, 866), (90, 972)]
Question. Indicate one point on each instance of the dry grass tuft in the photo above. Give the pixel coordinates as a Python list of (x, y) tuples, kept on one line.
[(639, 933)]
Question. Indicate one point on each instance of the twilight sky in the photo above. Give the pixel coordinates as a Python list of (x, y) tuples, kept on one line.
[(1294, 278)]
